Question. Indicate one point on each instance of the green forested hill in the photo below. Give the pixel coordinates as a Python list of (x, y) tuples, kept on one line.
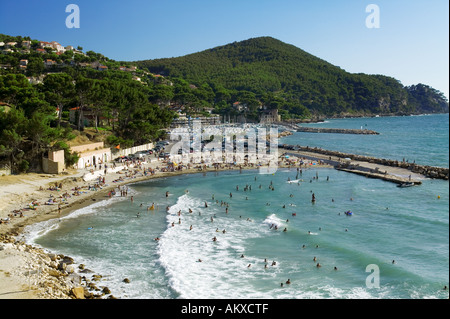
[(297, 83)]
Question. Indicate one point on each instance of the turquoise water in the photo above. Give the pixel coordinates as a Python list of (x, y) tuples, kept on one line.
[(423, 138), (407, 225)]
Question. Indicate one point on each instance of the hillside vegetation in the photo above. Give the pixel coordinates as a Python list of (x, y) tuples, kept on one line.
[(274, 73)]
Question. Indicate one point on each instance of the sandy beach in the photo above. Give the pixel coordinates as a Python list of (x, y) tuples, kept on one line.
[(28, 272)]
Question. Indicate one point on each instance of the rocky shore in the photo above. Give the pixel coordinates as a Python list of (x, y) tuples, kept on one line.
[(46, 275)]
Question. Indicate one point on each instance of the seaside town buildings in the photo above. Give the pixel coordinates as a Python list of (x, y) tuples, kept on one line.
[(90, 155)]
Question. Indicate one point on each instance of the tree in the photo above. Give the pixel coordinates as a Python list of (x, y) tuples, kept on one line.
[(12, 140), (59, 90), (82, 89)]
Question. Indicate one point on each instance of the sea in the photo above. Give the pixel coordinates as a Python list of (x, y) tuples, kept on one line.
[(249, 235)]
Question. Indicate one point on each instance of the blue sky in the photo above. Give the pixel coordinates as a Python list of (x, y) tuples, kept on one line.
[(412, 43)]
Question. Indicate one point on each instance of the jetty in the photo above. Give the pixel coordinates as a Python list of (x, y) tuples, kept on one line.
[(336, 130), (398, 172)]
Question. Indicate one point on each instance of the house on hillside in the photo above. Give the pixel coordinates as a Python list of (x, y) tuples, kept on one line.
[(49, 63), (23, 64), (45, 44), (98, 66), (88, 117), (26, 44), (270, 116), (53, 45)]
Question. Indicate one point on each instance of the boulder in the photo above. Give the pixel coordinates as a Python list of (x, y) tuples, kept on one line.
[(78, 292)]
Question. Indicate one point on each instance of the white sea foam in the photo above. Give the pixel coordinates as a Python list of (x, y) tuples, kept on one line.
[(221, 268), (273, 220)]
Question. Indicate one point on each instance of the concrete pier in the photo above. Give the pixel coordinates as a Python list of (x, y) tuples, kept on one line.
[(388, 170)]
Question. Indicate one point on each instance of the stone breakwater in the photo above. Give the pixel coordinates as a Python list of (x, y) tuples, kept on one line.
[(336, 130), (425, 170), (52, 276)]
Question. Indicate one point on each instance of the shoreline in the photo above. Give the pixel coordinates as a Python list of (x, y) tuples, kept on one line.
[(16, 255), (54, 276)]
